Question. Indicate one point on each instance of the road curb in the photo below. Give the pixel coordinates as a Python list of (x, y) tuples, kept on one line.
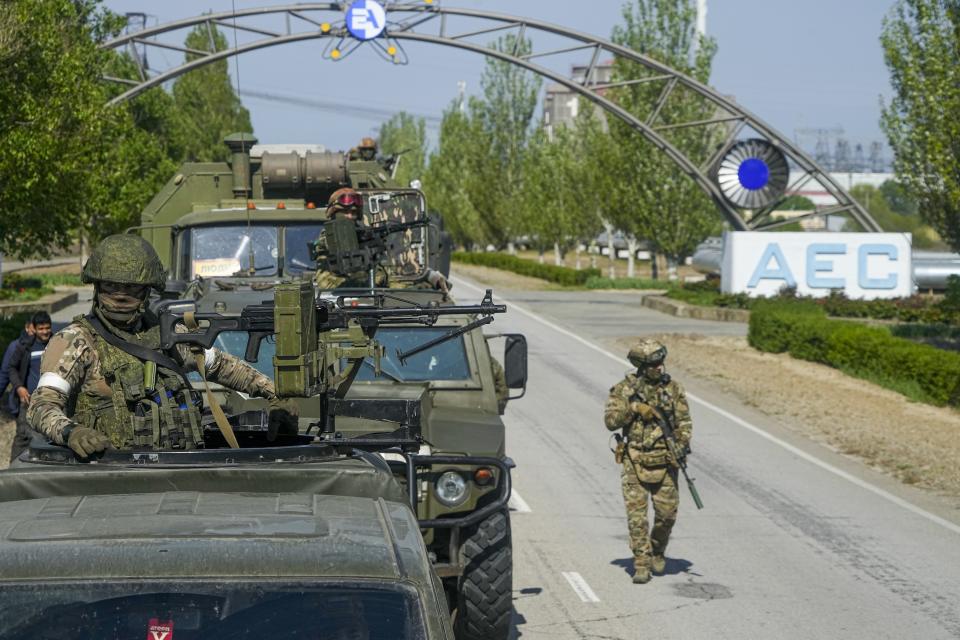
[(50, 303), (679, 309)]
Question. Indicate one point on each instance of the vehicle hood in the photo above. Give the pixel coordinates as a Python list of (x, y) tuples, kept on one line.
[(193, 534)]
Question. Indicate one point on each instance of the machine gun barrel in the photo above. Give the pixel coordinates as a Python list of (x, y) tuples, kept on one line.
[(258, 320)]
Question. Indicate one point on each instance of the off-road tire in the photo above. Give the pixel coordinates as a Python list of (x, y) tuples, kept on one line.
[(485, 590)]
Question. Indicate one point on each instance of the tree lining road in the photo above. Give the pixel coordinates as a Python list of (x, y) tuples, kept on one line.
[(794, 541)]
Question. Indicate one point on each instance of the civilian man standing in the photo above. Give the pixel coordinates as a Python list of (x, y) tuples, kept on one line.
[(24, 374)]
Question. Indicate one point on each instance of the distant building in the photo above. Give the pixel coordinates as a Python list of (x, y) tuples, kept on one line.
[(821, 197), (561, 105)]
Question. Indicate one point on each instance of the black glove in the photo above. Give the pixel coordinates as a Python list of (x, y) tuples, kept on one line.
[(282, 419), (86, 441)]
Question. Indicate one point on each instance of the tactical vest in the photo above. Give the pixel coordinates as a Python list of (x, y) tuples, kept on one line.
[(150, 406), (645, 447)]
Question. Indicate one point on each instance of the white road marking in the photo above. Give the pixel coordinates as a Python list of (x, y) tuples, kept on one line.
[(517, 503), (863, 484), (580, 586)]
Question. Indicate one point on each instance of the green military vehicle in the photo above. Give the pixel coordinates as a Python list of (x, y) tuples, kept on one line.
[(230, 232), (294, 542), (305, 535)]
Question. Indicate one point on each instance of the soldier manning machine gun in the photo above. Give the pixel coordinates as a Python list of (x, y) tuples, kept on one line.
[(346, 247), (321, 343)]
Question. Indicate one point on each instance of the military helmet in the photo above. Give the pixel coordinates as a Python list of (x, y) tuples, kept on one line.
[(343, 200), (368, 143), (127, 259), (647, 352)]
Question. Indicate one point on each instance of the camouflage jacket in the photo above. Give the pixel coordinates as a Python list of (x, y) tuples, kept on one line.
[(644, 437), (73, 375)]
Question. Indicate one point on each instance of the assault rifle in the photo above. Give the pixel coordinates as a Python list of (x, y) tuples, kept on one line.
[(347, 247), (670, 438)]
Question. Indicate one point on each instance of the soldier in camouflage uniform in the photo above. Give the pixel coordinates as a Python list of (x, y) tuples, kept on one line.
[(348, 202), (367, 149), (648, 474), (94, 394)]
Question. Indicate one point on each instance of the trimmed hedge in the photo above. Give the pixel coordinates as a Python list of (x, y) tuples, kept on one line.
[(20, 288), (805, 332), (626, 283), (561, 275)]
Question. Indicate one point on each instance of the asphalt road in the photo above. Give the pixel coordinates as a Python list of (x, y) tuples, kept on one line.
[(795, 541)]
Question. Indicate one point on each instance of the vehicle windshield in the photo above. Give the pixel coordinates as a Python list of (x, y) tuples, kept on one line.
[(446, 361), (223, 251), (235, 343), (213, 611), (296, 247)]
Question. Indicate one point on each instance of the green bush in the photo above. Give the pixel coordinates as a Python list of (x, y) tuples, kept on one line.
[(804, 331), (921, 331), (60, 279), (598, 282), (951, 299), (561, 275), (710, 298), (22, 288), (919, 309)]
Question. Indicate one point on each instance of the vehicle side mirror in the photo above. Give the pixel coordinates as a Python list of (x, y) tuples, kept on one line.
[(515, 362)]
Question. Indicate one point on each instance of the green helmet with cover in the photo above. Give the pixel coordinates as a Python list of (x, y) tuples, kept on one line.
[(126, 259), (647, 352)]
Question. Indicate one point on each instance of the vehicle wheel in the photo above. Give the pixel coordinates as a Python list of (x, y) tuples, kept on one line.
[(485, 590)]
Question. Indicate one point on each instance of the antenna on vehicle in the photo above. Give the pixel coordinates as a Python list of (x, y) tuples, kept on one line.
[(252, 268)]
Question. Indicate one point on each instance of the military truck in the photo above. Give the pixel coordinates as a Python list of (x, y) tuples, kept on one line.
[(229, 232)]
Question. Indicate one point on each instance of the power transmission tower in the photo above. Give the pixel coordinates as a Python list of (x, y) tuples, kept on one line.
[(859, 162), (823, 135), (137, 21), (877, 164), (841, 157)]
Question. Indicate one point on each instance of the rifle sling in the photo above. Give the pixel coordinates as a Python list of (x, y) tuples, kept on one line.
[(137, 351), (190, 321)]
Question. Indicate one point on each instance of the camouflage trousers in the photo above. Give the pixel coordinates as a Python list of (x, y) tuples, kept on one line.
[(636, 496)]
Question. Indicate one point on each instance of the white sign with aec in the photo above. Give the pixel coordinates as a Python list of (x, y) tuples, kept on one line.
[(862, 265)]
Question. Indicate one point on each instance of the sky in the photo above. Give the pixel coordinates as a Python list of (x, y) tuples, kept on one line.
[(811, 64)]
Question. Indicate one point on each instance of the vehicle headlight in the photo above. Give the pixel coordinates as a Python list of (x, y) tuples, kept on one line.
[(451, 488)]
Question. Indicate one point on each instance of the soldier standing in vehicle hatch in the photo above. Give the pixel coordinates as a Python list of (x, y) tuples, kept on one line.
[(649, 472), (95, 393), (348, 203)]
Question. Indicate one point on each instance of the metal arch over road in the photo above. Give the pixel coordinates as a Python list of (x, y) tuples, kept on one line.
[(428, 23)]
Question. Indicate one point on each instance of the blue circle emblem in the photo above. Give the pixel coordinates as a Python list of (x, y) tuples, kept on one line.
[(366, 19), (754, 174)]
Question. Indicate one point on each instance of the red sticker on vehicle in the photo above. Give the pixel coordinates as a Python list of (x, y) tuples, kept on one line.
[(158, 629)]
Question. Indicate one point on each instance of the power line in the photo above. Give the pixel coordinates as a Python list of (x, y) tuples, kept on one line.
[(345, 109)]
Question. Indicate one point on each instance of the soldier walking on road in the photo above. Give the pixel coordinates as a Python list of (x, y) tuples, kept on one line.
[(104, 380), (636, 406)]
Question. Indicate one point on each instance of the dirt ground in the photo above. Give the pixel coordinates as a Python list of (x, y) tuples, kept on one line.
[(917, 443)]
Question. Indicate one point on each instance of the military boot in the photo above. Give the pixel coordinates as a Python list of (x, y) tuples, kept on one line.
[(658, 563), (641, 570)]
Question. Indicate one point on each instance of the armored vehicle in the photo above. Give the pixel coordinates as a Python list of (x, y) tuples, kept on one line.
[(311, 534), (231, 232), (291, 542)]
